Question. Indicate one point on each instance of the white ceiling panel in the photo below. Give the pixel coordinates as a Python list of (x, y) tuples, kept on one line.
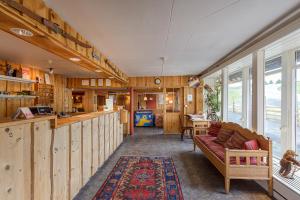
[(134, 34)]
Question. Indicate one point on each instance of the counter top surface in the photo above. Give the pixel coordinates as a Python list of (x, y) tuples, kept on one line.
[(11, 122), (56, 123), (81, 117)]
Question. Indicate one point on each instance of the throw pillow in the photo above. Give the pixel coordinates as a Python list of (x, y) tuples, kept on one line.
[(236, 141), (214, 128), (251, 145), (223, 136)]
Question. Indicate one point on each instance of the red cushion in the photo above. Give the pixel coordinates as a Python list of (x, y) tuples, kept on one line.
[(214, 128), (251, 145), (208, 141), (219, 150), (236, 141)]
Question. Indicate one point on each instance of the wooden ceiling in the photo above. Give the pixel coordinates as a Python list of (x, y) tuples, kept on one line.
[(45, 38)]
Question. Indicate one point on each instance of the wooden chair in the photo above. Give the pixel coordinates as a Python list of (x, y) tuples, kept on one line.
[(184, 127), (200, 127)]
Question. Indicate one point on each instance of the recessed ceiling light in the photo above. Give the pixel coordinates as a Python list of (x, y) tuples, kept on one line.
[(98, 70), (74, 59), (22, 32), (111, 77)]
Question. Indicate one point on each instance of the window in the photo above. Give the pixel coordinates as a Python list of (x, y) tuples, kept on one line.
[(297, 141), (239, 94), (272, 120), (235, 97)]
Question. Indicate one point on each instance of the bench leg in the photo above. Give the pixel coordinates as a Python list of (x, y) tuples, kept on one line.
[(270, 187), (194, 146), (227, 185), (182, 133)]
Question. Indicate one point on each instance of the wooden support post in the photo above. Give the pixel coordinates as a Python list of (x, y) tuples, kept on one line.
[(131, 111), (270, 163), (226, 177)]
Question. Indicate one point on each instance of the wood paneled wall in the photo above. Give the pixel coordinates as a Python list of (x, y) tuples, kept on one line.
[(77, 83), (62, 95), (40, 163), (172, 123), (166, 81)]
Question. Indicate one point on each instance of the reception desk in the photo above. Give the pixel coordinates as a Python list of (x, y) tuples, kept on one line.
[(50, 159)]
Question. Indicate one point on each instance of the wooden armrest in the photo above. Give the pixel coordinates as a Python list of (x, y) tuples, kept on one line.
[(260, 155)]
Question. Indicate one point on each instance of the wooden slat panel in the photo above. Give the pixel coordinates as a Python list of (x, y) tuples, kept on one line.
[(106, 136), (60, 151), (115, 132), (76, 168), (42, 143), (118, 132), (86, 151), (101, 141), (121, 133), (111, 133), (95, 144), (15, 171)]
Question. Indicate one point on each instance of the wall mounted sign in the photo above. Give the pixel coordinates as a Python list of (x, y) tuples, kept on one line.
[(107, 82), (26, 73), (100, 82), (189, 97), (93, 82), (85, 82)]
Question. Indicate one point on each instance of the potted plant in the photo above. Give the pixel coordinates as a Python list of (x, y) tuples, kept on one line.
[(212, 100)]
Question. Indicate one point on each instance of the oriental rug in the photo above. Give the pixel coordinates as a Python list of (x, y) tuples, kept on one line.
[(141, 178)]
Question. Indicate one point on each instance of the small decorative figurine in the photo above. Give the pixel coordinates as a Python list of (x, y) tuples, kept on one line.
[(9, 70), (289, 164)]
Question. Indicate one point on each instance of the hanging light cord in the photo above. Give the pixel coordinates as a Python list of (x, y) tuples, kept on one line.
[(168, 35), (162, 65)]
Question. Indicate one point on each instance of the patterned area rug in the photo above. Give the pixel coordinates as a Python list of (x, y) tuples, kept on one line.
[(142, 178)]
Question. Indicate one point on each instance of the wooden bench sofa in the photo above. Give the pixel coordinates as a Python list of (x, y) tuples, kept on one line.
[(238, 163)]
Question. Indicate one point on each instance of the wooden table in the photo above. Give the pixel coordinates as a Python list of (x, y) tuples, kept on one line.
[(200, 125)]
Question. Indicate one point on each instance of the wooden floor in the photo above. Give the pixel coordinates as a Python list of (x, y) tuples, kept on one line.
[(199, 179)]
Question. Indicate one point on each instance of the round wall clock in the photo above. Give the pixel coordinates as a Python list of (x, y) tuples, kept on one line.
[(157, 81)]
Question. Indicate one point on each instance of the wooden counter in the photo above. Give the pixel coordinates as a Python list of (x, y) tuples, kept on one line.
[(38, 161), (80, 117), (10, 122)]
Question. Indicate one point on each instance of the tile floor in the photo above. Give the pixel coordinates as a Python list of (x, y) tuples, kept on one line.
[(199, 179)]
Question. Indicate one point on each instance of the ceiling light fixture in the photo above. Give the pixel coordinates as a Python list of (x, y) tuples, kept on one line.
[(51, 70), (22, 32), (111, 77), (74, 59), (98, 70)]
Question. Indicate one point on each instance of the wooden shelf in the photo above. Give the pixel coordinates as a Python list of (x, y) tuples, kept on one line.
[(45, 94), (6, 96), (15, 79)]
